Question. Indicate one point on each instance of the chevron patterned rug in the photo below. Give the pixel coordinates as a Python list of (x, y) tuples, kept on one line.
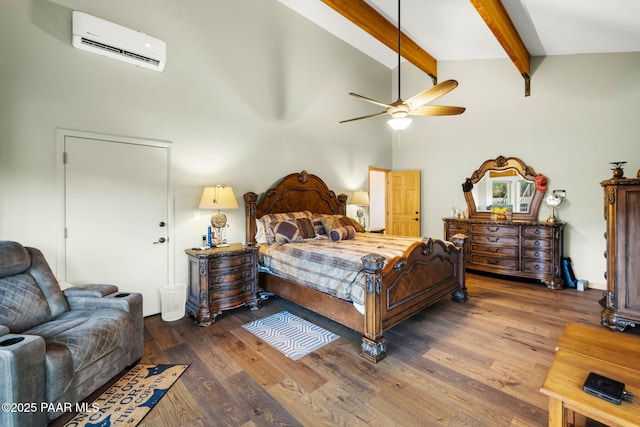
[(289, 334)]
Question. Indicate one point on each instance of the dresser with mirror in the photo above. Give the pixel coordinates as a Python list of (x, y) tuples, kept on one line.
[(505, 237)]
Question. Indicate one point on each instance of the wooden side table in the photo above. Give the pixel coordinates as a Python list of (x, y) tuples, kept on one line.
[(221, 279), (583, 349), (603, 344), (563, 385)]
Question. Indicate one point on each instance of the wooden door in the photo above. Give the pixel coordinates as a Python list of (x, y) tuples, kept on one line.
[(404, 203), (117, 215)]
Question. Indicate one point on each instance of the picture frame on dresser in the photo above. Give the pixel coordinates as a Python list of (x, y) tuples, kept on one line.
[(517, 245)]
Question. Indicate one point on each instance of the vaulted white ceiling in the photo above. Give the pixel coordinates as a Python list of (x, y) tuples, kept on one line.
[(454, 30)]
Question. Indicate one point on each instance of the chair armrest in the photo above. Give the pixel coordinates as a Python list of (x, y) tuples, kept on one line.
[(89, 298), (90, 291), (4, 330), (22, 369)]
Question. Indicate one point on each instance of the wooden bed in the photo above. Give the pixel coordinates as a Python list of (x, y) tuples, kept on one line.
[(428, 271)]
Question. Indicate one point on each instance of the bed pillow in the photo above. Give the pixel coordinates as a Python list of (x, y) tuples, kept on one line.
[(331, 222), (307, 230), (270, 220), (359, 228), (261, 237), (343, 233), (287, 232)]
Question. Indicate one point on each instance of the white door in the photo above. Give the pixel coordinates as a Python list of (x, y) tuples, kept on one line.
[(117, 216)]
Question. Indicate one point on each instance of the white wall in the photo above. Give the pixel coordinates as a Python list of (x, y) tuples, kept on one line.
[(251, 92), (581, 115)]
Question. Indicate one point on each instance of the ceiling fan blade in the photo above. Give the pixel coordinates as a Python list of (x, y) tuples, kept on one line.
[(431, 94), (437, 110), (364, 117), (373, 101)]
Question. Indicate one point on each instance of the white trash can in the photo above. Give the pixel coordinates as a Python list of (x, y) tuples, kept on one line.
[(173, 299)]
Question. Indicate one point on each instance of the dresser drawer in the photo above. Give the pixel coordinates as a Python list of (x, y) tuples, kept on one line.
[(231, 275), (536, 232), (494, 240), (456, 227), (536, 243), (503, 230), (230, 290), (536, 266), (536, 253), (230, 261), (507, 263), (511, 251)]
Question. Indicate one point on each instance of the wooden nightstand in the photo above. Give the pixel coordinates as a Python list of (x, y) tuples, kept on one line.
[(221, 279)]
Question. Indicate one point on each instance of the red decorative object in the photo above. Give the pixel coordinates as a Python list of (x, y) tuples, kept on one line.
[(541, 183)]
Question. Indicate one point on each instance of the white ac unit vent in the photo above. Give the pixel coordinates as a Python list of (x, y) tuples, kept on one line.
[(115, 41)]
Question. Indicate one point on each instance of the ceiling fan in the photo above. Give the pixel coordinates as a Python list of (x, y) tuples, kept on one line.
[(399, 110)]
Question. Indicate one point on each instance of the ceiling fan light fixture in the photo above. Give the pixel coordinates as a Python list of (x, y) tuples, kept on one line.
[(399, 123)]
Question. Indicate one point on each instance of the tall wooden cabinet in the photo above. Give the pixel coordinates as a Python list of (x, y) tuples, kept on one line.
[(621, 301)]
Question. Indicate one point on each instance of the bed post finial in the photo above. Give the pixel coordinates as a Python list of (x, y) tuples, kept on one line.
[(303, 177), (250, 200), (374, 348), (342, 198)]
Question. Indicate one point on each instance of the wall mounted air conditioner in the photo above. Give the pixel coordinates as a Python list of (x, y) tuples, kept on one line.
[(115, 41)]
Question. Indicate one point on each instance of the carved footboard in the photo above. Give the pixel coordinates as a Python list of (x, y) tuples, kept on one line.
[(429, 271)]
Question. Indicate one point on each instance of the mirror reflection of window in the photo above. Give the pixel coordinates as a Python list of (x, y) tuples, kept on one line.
[(525, 194), (500, 193)]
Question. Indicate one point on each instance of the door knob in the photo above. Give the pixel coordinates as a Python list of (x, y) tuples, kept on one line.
[(162, 224), (160, 240)]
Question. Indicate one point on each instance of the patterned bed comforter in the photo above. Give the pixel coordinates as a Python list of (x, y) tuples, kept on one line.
[(333, 267)]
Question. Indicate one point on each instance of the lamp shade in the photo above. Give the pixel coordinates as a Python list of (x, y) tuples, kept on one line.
[(360, 198), (218, 197)]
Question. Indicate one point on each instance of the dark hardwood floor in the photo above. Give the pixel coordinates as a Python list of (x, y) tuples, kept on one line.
[(480, 363)]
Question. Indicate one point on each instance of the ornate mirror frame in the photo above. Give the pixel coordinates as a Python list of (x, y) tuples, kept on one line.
[(502, 163)]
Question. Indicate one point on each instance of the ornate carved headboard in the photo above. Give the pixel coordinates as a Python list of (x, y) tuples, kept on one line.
[(295, 192)]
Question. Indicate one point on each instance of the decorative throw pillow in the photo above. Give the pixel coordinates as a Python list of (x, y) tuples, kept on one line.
[(342, 233), (307, 230), (287, 232), (355, 224), (331, 222), (270, 220)]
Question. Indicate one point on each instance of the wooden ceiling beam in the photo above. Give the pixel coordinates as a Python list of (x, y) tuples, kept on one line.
[(371, 21), (499, 22)]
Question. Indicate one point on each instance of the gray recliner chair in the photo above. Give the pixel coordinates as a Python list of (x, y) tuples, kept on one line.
[(56, 348)]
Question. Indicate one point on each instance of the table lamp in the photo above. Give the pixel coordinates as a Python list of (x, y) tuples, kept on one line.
[(218, 197), (360, 198)]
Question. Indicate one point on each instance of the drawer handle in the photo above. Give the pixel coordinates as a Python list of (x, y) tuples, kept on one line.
[(537, 243), (537, 231), (537, 267), (537, 254), (219, 279), (246, 260), (493, 239), (246, 274), (493, 229), (493, 261), (246, 288)]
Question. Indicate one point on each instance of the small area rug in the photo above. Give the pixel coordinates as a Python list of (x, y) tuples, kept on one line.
[(291, 335), (130, 398)]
